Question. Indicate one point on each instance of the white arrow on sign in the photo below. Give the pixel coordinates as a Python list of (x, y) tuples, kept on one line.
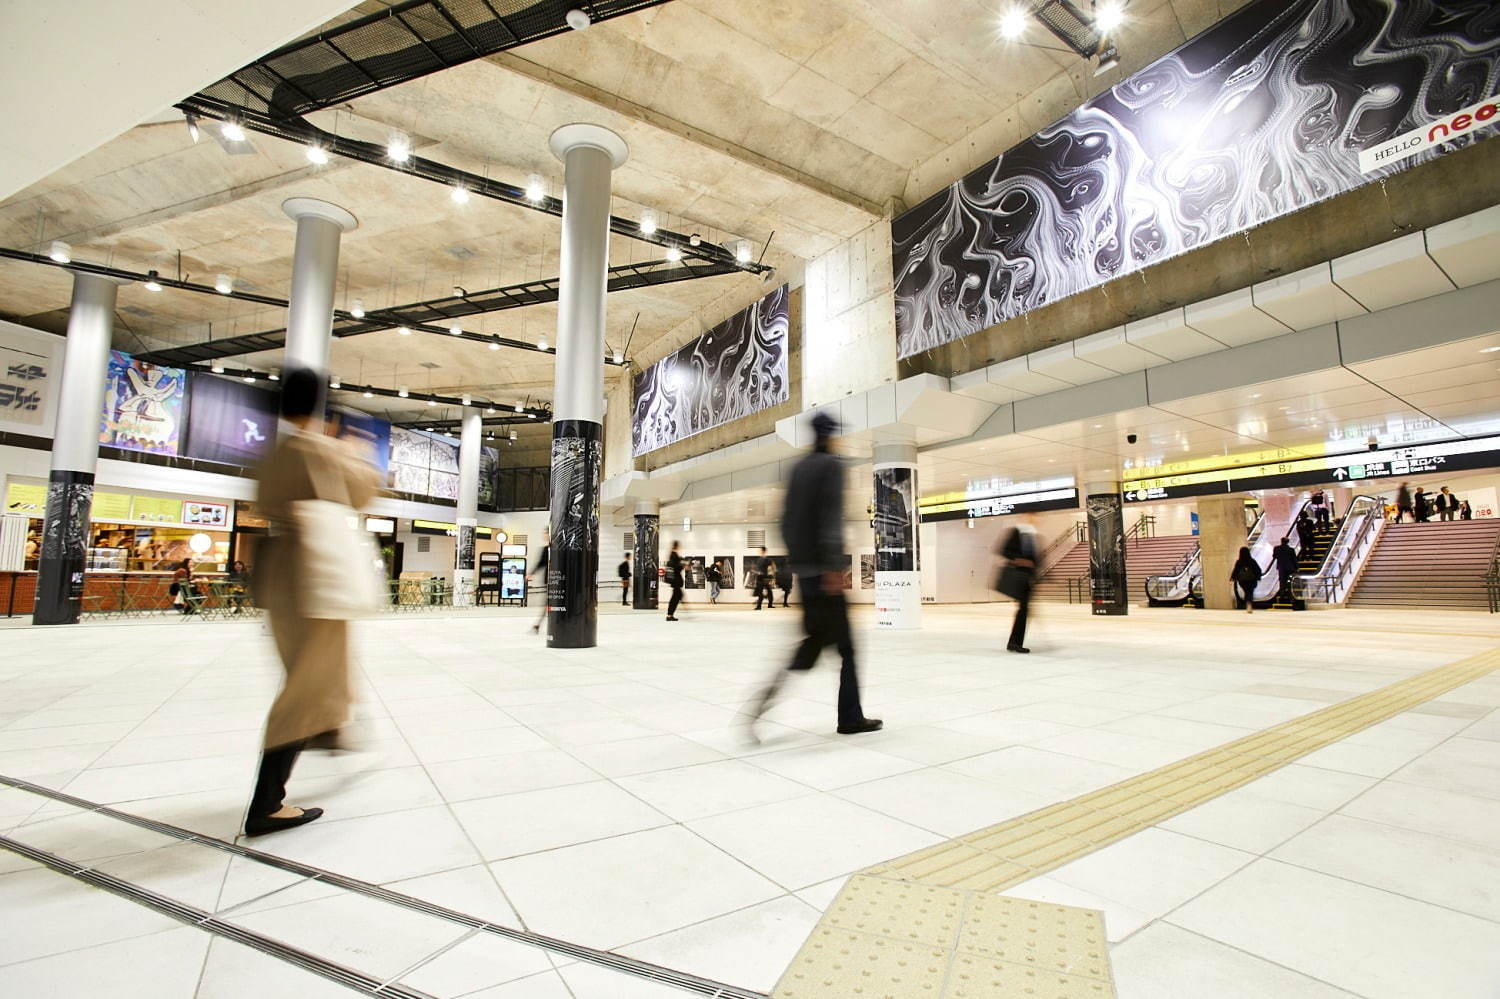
[(1339, 473)]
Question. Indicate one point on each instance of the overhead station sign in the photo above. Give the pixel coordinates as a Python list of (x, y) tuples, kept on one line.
[(1020, 497), (1386, 463)]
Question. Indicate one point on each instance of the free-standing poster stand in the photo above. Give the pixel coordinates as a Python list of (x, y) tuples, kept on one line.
[(488, 590)]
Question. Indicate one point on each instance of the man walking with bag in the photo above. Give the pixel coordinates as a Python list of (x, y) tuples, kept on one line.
[(813, 528), (1019, 550)]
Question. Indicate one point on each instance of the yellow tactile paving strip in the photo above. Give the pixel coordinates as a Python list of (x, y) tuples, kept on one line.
[(930, 925)]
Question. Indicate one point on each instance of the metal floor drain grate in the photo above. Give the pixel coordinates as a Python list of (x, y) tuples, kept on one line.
[(690, 983)]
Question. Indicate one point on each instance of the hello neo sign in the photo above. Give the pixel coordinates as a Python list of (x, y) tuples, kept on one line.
[(1404, 147)]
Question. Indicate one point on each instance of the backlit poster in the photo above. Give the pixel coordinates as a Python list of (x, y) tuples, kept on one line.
[(143, 405), (230, 421)]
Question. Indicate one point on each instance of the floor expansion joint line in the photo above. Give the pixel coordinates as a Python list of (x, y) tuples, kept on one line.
[(934, 920), (193, 916), (602, 958)]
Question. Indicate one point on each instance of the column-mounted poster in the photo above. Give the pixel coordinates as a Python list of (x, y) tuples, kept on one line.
[(1106, 520), (143, 405)]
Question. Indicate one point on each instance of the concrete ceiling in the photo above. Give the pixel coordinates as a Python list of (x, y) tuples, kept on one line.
[(808, 119)]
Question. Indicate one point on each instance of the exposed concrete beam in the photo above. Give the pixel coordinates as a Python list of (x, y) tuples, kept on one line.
[(682, 130)]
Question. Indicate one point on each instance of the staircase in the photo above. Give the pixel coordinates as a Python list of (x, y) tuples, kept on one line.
[(1440, 565), (1143, 557)]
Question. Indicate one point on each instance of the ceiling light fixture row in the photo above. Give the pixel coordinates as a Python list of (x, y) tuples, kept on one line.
[(397, 154)]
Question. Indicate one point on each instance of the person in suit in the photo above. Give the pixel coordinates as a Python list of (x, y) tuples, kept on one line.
[(763, 580), (624, 571), (306, 464), (1020, 552), (1420, 507), (1446, 504), (813, 528), (1284, 558), (1306, 531), (1246, 578), (674, 580), (1403, 502)]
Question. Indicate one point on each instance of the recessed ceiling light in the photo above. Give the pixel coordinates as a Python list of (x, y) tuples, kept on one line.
[(316, 154)]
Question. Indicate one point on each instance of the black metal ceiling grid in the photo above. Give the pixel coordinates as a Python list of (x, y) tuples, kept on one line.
[(431, 315), (403, 42)]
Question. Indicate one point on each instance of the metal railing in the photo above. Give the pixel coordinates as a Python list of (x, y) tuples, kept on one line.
[(1143, 528), (1060, 546), (1356, 535), (1492, 578)]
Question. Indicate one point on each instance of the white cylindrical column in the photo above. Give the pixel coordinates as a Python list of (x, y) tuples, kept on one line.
[(470, 443), (75, 451), (898, 562), (589, 153), (315, 268)]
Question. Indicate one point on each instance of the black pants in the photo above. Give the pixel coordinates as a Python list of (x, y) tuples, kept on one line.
[(1285, 592), (676, 599), (763, 593), (786, 597), (1018, 627), (825, 619), (270, 785), (624, 593), (1245, 592)]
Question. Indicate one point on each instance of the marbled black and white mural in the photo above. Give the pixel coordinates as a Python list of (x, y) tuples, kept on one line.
[(737, 368), (1261, 115)]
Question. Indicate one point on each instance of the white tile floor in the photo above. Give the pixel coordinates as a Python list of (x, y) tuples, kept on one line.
[(608, 797)]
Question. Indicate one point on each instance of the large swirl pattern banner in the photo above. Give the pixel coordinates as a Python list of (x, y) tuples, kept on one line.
[(1261, 115), (737, 368)]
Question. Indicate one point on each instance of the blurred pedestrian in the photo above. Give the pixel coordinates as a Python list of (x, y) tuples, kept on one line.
[(1246, 576), (1420, 507), (624, 571), (715, 576), (540, 570), (783, 574), (813, 528), (1020, 551), (674, 580), (1403, 502), (763, 579), (312, 640), (1306, 532), (1284, 558)]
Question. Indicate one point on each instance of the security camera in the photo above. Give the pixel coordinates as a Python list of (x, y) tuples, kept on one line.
[(1130, 438), (1373, 443)]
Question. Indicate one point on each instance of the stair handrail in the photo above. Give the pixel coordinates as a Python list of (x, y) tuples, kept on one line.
[(1492, 577), (1145, 527), (1362, 521), (1060, 546)]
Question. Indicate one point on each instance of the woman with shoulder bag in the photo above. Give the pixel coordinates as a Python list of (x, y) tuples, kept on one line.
[(1019, 550), (312, 580), (1246, 577)]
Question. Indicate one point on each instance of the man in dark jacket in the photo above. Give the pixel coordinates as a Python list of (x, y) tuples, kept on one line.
[(674, 580), (624, 572), (1019, 550), (812, 526), (1284, 557), (763, 579)]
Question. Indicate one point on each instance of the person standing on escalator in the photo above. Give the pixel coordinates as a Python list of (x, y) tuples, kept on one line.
[(1284, 558)]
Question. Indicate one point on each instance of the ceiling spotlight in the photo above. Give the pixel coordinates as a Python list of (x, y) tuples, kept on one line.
[(514, 435), (273, 376), (530, 416), (489, 437), (490, 411), (60, 252), (742, 251), (249, 378), (1482, 350), (358, 312), (459, 194), (1108, 15), (455, 330), (1013, 23), (317, 154), (541, 344), (465, 399), (334, 382), (404, 330), (534, 189), (520, 407), (217, 368), (674, 253), (151, 283), (369, 394), (231, 130), (192, 124), (619, 357), (695, 239), (398, 148), (494, 345), (577, 19), (648, 222), (224, 284), (401, 392), (431, 402)]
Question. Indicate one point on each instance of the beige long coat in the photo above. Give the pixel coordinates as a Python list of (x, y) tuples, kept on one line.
[(315, 652)]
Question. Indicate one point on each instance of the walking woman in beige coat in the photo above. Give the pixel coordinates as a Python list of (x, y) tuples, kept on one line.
[(313, 704)]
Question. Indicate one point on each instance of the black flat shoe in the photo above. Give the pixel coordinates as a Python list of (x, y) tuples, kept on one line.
[(259, 827), (868, 725), (1018, 648)]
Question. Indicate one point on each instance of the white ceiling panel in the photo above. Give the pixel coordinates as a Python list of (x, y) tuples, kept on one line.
[(1305, 298), (1113, 350), (1170, 336), (1233, 319), (1468, 248), (1391, 274), (1061, 363)]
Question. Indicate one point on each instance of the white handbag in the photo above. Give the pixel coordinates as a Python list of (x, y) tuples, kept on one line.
[(342, 575)]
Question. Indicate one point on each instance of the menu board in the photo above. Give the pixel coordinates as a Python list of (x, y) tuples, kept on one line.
[(156, 510), (23, 497), (206, 514), (110, 506)]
